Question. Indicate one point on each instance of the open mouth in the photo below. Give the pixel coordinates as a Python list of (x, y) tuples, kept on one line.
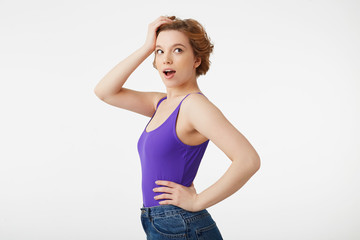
[(169, 72)]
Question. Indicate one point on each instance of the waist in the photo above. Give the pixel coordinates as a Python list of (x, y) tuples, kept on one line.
[(149, 177), (168, 210)]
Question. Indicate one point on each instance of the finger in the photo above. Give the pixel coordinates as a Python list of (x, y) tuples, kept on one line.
[(158, 23), (158, 19), (161, 22), (166, 202), (162, 18), (166, 183), (163, 189), (165, 17), (163, 196)]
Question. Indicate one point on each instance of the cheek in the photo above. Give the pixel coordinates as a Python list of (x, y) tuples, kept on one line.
[(186, 61), (156, 62), (189, 64)]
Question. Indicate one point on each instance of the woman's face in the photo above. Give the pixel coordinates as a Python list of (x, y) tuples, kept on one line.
[(174, 58)]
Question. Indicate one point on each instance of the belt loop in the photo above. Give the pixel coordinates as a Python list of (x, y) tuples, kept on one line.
[(145, 211), (148, 212)]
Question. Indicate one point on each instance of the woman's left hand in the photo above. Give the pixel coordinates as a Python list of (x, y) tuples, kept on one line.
[(177, 195)]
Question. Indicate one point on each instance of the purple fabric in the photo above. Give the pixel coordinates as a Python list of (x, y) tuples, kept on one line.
[(164, 157)]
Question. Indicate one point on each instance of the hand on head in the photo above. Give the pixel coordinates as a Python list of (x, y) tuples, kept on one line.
[(152, 28)]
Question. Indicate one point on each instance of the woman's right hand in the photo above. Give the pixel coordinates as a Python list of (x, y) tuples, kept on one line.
[(150, 42)]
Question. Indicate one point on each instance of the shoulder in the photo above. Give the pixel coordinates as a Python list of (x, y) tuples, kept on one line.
[(198, 102), (200, 109)]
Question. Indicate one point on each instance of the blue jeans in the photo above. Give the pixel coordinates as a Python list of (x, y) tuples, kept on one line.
[(170, 222)]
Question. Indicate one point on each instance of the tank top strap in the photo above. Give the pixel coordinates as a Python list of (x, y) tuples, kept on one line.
[(173, 117), (160, 102), (188, 95), (175, 113)]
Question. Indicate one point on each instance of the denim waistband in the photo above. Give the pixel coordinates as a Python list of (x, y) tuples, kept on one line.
[(160, 210), (168, 210)]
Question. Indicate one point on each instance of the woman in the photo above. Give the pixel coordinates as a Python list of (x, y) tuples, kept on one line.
[(174, 140)]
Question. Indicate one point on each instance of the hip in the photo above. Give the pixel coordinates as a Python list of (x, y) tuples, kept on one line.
[(171, 222)]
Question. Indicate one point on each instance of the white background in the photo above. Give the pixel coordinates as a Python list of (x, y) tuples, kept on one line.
[(285, 73)]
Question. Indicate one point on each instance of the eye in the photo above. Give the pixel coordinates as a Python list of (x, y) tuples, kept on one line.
[(159, 51), (178, 50)]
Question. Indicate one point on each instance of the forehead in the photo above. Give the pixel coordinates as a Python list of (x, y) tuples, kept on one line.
[(170, 37)]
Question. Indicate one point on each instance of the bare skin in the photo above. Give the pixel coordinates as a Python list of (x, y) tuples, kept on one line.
[(198, 119)]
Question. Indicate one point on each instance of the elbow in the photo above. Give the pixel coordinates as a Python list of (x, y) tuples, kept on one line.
[(256, 163), (98, 93), (251, 163)]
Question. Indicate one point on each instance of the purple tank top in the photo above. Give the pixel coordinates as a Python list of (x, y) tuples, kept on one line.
[(164, 157)]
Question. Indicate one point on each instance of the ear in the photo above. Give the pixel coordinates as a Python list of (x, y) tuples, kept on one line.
[(197, 62)]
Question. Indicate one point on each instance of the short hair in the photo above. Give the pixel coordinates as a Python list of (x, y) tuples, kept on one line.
[(198, 38)]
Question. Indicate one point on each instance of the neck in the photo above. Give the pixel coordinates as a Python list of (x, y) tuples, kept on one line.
[(175, 92)]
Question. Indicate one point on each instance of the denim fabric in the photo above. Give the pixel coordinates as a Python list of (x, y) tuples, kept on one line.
[(170, 222)]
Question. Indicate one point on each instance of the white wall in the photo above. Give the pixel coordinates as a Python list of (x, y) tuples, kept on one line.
[(285, 73)]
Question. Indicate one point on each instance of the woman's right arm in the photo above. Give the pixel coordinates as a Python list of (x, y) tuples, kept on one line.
[(110, 88)]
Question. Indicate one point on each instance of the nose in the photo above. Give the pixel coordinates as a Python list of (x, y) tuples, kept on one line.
[(167, 59)]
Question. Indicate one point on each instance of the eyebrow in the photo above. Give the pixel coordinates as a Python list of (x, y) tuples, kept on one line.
[(176, 44)]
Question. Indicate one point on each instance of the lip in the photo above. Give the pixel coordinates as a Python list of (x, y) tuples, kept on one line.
[(170, 76)]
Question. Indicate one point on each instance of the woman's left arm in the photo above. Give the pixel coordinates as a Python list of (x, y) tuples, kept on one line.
[(208, 120)]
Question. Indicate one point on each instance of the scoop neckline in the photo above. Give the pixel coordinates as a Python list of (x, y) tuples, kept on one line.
[(162, 122), (179, 104)]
